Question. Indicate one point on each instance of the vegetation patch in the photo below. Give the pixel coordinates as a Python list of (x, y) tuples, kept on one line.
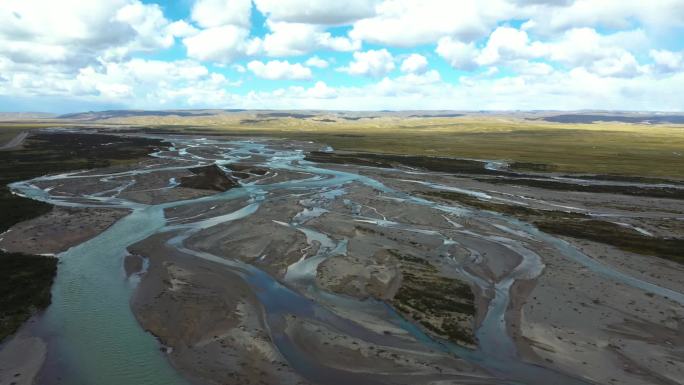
[(621, 237), (245, 168), (208, 178), (653, 192), (627, 179), (25, 282), (577, 225), (444, 306), (430, 163)]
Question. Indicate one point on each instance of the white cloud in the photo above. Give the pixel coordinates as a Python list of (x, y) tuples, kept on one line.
[(136, 83), (414, 63), (458, 54), (317, 62), (316, 12), (407, 23), (561, 57), (278, 70), (604, 55), (667, 61), (623, 65), (181, 28), (577, 89), (217, 13), (71, 34), (225, 34), (585, 48), (409, 84), (150, 24), (529, 68), (320, 90), (219, 44), (289, 39), (507, 43), (614, 14), (156, 84), (373, 63)]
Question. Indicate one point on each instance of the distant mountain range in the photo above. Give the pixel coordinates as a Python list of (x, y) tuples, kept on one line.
[(550, 116)]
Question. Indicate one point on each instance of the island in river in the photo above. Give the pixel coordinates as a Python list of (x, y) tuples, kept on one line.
[(226, 259)]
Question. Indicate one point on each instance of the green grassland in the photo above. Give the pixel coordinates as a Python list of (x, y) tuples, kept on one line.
[(10, 130), (599, 148)]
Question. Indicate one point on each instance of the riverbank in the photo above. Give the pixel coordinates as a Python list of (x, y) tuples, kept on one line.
[(31, 231)]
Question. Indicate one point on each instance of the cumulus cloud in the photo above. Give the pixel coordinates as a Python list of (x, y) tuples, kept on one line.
[(136, 83), (320, 90), (458, 54), (225, 32), (216, 13), (614, 14), (577, 89), (374, 63), (180, 28), (585, 48), (317, 62), (565, 53), (406, 23), (71, 34), (278, 70), (219, 44), (414, 63), (507, 43), (667, 61), (317, 12), (290, 39)]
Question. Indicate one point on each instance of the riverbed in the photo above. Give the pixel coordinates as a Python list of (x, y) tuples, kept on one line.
[(93, 337)]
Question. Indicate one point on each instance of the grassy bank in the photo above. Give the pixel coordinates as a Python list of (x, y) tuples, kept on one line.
[(25, 280), (598, 148)]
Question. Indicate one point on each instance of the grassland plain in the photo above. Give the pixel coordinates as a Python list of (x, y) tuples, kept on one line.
[(600, 148)]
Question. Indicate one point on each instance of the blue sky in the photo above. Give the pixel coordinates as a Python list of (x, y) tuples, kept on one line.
[(358, 54)]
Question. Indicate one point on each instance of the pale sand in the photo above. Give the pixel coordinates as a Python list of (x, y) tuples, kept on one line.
[(579, 322), (259, 239), (59, 229), (21, 358), (208, 317)]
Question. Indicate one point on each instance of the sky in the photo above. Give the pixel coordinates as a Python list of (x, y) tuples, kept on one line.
[(80, 55)]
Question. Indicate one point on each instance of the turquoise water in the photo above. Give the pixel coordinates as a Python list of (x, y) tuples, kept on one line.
[(90, 327)]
